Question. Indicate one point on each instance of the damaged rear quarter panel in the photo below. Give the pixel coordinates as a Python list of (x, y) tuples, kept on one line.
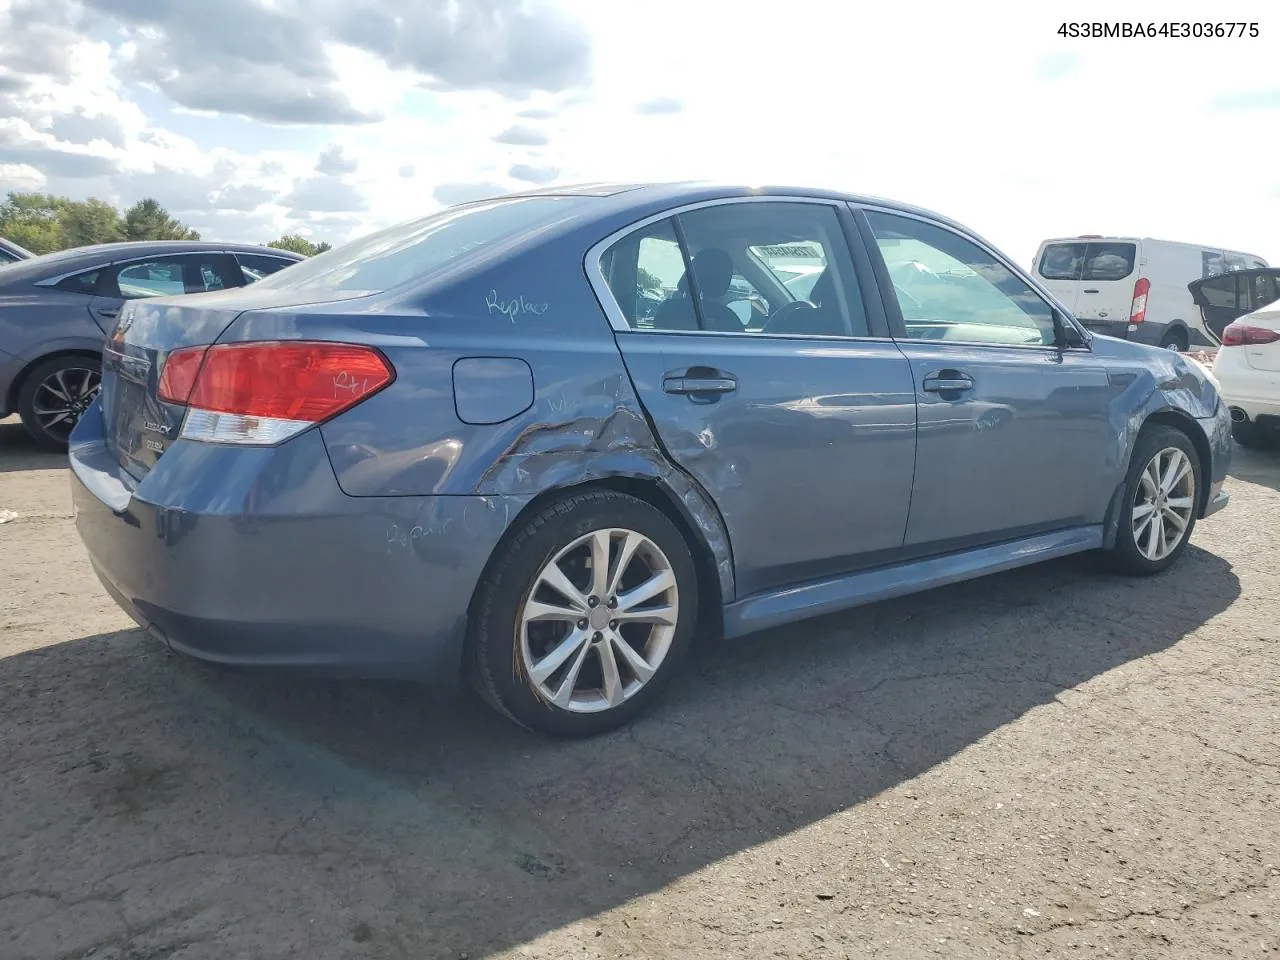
[(585, 423)]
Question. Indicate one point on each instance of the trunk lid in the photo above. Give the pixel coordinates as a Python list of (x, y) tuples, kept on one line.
[(138, 425)]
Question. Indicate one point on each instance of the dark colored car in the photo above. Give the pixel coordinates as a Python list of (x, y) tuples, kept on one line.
[(55, 308), (458, 447), (10, 252)]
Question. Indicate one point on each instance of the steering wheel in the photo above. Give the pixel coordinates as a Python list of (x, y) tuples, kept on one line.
[(786, 312)]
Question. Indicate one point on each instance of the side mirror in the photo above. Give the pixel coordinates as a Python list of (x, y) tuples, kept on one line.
[(1068, 334)]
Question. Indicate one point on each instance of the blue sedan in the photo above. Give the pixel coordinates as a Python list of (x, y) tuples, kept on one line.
[(526, 441)]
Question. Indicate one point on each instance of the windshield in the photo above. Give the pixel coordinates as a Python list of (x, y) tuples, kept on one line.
[(413, 250)]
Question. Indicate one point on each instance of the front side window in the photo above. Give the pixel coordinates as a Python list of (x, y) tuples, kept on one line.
[(948, 288), (737, 272)]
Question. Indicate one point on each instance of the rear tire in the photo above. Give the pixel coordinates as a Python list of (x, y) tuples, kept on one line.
[(1157, 490), (54, 395), (554, 642), (1175, 339)]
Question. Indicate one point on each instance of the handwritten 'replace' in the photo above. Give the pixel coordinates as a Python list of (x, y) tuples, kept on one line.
[(514, 307)]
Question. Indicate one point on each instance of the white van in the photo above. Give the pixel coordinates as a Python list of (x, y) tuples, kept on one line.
[(1135, 288)]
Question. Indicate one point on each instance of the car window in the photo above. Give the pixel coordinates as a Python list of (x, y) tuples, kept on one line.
[(175, 276), (85, 283), (643, 271), (1264, 290), (154, 278), (1220, 292), (255, 266), (949, 288), (742, 256), (1093, 261), (1062, 261), (415, 250), (1212, 263), (1108, 261)]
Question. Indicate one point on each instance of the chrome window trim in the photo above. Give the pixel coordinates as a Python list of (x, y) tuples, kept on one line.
[(592, 264), (1049, 299)]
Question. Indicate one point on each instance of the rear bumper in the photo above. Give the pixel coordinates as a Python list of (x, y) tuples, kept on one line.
[(255, 558)]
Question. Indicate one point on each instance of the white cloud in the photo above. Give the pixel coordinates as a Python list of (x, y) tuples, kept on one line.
[(989, 117)]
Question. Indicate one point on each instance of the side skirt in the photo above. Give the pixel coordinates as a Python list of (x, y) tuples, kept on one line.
[(790, 604)]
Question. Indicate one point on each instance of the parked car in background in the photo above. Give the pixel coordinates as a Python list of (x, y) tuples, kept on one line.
[(1135, 288), (457, 447), (10, 252), (56, 309), (1247, 366), (1229, 296)]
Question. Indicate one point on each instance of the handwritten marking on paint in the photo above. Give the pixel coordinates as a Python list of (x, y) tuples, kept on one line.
[(513, 308), (344, 383), (396, 537)]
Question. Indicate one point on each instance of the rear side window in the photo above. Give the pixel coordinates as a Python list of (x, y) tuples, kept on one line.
[(1098, 262), (86, 283), (643, 271), (414, 250)]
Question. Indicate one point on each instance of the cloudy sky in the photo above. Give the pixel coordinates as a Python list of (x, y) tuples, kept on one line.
[(248, 118)]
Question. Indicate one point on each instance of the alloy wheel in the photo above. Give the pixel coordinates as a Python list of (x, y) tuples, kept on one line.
[(599, 620), (62, 398), (1163, 503)]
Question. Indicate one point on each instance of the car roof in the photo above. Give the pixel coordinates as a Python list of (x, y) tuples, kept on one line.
[(75, 259), (647, 199), (16, 249)]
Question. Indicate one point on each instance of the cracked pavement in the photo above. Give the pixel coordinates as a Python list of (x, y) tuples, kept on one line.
[(1049, 762)]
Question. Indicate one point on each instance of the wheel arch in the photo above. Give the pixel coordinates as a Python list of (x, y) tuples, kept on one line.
[(1185, 423), (16, 385), (662, 497)]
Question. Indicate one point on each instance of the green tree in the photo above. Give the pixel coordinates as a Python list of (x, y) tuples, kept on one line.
[(32, 221), (147, 220), (86, 222), (299, 244)]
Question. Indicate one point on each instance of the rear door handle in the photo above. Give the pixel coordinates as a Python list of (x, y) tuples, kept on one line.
[(1091, 291), (952, 384), (110, 314)]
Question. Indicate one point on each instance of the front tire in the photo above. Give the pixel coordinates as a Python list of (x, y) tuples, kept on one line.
[(585, 615), (54, 395), (1161, 500)]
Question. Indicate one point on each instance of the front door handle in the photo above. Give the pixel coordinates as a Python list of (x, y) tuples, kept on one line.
[(1091, 291), (955, 383)]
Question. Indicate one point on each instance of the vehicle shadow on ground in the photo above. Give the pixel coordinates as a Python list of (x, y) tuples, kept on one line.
[(1256, 466), (19, 452), (255, 814)]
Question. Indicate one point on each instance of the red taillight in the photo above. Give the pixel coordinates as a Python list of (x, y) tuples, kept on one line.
[(1138, 309), (288, 380), (179, 374), (1242, 335), (267, 392)]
